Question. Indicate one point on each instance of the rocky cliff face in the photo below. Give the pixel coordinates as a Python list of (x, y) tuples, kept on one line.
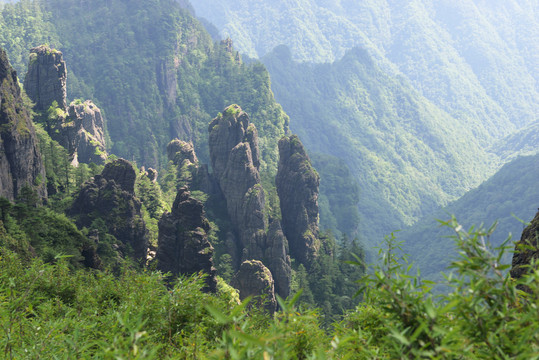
[(277, 259), (45, 81), (235, 161), (79, 127), (191, 172), (20, 160), (183, 246), (110, 196), (83, 132), (254, 279), (297, 186), (523, 256)]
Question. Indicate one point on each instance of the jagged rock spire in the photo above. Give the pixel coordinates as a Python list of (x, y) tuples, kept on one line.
[(235, 159), (111, 195), (527, 249), (297, 186), (80, 127)]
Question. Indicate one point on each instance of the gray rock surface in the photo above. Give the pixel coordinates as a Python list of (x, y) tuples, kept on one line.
[(45, 81), (179, 151), (79, 128), (235, 158), (235, 161), (524, 256), (110, 196), (254, 279), (83, 132), (183, 245), (123, 173), (191, 172), (297, 186), (20, 160), (277, 259)]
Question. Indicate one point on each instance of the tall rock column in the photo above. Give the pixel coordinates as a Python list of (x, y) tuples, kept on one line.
[(80, 127), (20, 160), (297, 186), (45, 81), (235, 161)]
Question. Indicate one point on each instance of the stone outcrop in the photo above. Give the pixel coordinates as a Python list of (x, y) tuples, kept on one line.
[(110, 196), (83, 133), (527, 249), (191, 172), (152, 175), (20, 160), (45, 81), (297, 186), (180, 151), (277, 259), (235, 160), (122, 173), (80, 127), (183, 246), (254, 279)]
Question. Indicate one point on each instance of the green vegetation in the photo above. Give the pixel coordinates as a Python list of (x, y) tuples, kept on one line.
[(71, 292), (61, 311), (151, 67), (446, 72), (465, 56), (508, 198), (407, 156), (339, 195)]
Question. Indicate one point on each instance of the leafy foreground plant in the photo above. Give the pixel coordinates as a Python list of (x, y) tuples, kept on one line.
[(485, 316), (51, 311)]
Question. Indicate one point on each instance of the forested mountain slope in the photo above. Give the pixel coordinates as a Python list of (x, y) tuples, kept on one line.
[(473, 58), (471, 61), (151, 67), (509, 195), (407, 154)]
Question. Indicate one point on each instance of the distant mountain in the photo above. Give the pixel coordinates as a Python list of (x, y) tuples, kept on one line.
[(475, 59), (522, 142), (408, 155), (510, 194)]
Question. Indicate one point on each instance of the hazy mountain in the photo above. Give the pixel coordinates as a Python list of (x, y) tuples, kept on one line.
[(509, 195), (407, 154), (475, 59)]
